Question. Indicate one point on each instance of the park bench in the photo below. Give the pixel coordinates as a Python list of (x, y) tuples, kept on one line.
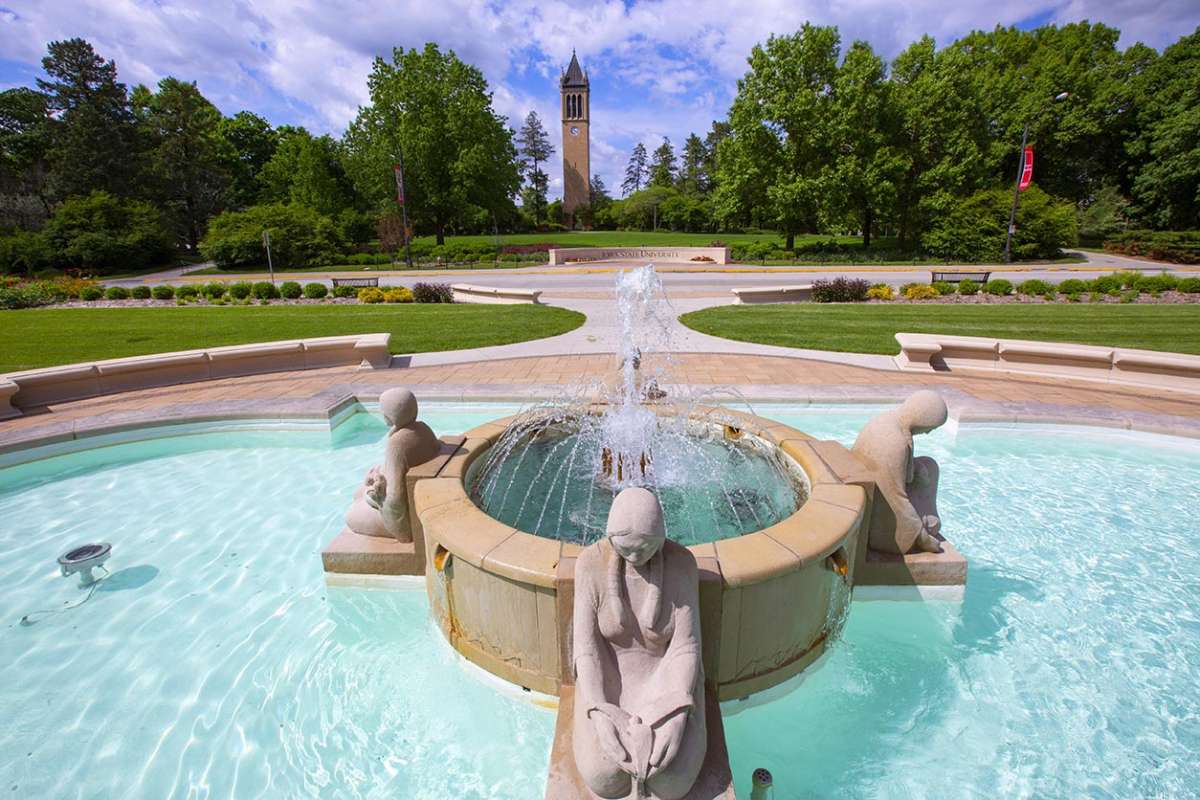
[(358, 283), (959, 275)]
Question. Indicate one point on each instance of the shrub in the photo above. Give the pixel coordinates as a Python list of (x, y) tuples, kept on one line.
[(1129, 296), (1106, 283), (398, 294), (998, 287), (187, 292), (1034, 286), (1050, 296), (215, 289), (1096, 297), (1180, 247), (37, 293), (975, 228), (370, 296), (1128, 278), (437, 293), (943, 287), (345, 291), (1074, 297), (921, 291), (91, 294), (163, 292), (968, 287), (101, 233), (290, 290), (300, 237), (315, 291), (241, 290), (1189, 286), (140, 292), (265, 290), (25, 253), (1072, 286), (880, 291), (840, 290), (1152, 284), (116, 293)]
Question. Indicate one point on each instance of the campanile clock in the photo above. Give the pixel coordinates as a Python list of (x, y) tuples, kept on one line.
[(575, 90)]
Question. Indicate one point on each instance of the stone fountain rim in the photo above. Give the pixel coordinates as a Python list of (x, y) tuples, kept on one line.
[(811, 533)]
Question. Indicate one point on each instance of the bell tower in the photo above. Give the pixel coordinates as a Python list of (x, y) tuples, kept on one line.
[(576, 150)]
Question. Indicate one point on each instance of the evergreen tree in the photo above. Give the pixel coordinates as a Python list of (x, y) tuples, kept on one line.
[(693, 176), (598, 192), (24, 158), (93, 136), (637, 172), (662, 165), (534, 146)]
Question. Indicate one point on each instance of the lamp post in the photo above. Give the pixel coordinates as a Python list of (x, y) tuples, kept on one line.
[(1012, 214), (398, 169)]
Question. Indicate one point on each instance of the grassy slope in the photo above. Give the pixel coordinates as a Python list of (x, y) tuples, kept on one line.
[(871, 328), (46, 337)]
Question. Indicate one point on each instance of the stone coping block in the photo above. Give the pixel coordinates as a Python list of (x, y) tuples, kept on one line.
[(772, 294), (41, 387), (674, 255), (468, 293), (1118, 366), (947, 568), (715, 781)]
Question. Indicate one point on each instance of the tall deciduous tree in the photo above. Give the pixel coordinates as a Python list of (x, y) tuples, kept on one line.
[(458, 154), (250, 141), (778, 156), (637, 171), (93, 138), (663, 165), (534, 145), (182, 131), (308, 170)]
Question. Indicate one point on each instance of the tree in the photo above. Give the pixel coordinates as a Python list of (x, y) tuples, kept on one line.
[(662, 165), (93, 136), (534, 145), (693, 175), (308, 170), (458, 154), (637, 172), (186, 157), (101, 233), (865, 165), (250, 141), (778, 157), (1166, 190), (24, 151), (300, 237)]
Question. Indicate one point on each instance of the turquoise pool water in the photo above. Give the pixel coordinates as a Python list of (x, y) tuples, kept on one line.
[(215, 663)]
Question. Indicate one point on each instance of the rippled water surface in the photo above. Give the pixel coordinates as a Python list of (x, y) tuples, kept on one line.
[(215, 663)]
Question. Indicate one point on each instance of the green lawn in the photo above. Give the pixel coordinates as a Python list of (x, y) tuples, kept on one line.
[(46, 337), (863, 328), (632, 238)]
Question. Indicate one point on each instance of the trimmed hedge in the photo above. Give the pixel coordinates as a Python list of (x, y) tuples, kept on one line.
[(1178, 247), (1034, 286), (315, 291), (290, 290), (140, 292), (999, 287), (163, 292), (116, 293), (265, 290)]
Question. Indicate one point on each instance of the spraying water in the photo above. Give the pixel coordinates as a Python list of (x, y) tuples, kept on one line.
[(558, 466)]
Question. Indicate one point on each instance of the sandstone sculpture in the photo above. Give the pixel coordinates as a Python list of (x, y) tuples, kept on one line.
[(381, 503), (639, 726), (905, 514)]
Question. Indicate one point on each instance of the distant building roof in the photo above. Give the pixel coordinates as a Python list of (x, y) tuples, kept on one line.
[(574, 76)]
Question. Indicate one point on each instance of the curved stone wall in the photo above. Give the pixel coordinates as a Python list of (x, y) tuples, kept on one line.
[(503, 597)]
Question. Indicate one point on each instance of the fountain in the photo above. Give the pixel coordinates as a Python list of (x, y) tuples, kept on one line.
[(508, 524)]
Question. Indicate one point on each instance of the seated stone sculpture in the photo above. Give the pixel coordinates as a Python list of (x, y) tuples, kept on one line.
[(381, 503), (905, 516), (639, 725)]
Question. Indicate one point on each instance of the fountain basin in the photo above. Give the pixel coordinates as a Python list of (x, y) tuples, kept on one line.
[(769, 598)]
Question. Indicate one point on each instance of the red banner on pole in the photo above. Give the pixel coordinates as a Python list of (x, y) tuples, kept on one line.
[(1026, 170), (399, 184)]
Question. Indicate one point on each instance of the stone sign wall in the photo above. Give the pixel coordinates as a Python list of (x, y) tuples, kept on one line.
[(693, 255)]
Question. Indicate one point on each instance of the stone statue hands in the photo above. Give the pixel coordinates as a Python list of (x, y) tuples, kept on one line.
[(640, 747), (375, 485)]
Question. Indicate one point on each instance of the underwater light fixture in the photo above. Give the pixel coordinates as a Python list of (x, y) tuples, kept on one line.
[(83, 559)]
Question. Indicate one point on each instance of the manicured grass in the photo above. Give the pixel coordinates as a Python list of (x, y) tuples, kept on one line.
[(631, 238), (47, 337), (867, 328)]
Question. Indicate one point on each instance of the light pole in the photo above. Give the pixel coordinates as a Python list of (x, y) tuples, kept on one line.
[(403, 201), (1012, 214)]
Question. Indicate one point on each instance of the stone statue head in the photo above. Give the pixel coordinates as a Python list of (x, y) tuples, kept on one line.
[(635, 525), (923, 411), (399, 407)]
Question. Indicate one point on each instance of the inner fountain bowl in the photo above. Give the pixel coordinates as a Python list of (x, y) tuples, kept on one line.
[(555, 474)]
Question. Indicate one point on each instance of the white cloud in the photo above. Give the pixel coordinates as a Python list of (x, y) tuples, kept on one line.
[(659, 67)]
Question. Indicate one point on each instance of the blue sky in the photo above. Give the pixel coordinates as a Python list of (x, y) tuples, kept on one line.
[(661, 68)]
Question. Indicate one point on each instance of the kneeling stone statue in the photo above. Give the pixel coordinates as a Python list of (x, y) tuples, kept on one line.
[(381, 503), (905, 518), (639, 726)]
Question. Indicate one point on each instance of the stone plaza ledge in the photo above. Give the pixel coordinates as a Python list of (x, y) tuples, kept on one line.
[(494, 295), (660, 255), (21, 391), (1119, 366), (800, 293)]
